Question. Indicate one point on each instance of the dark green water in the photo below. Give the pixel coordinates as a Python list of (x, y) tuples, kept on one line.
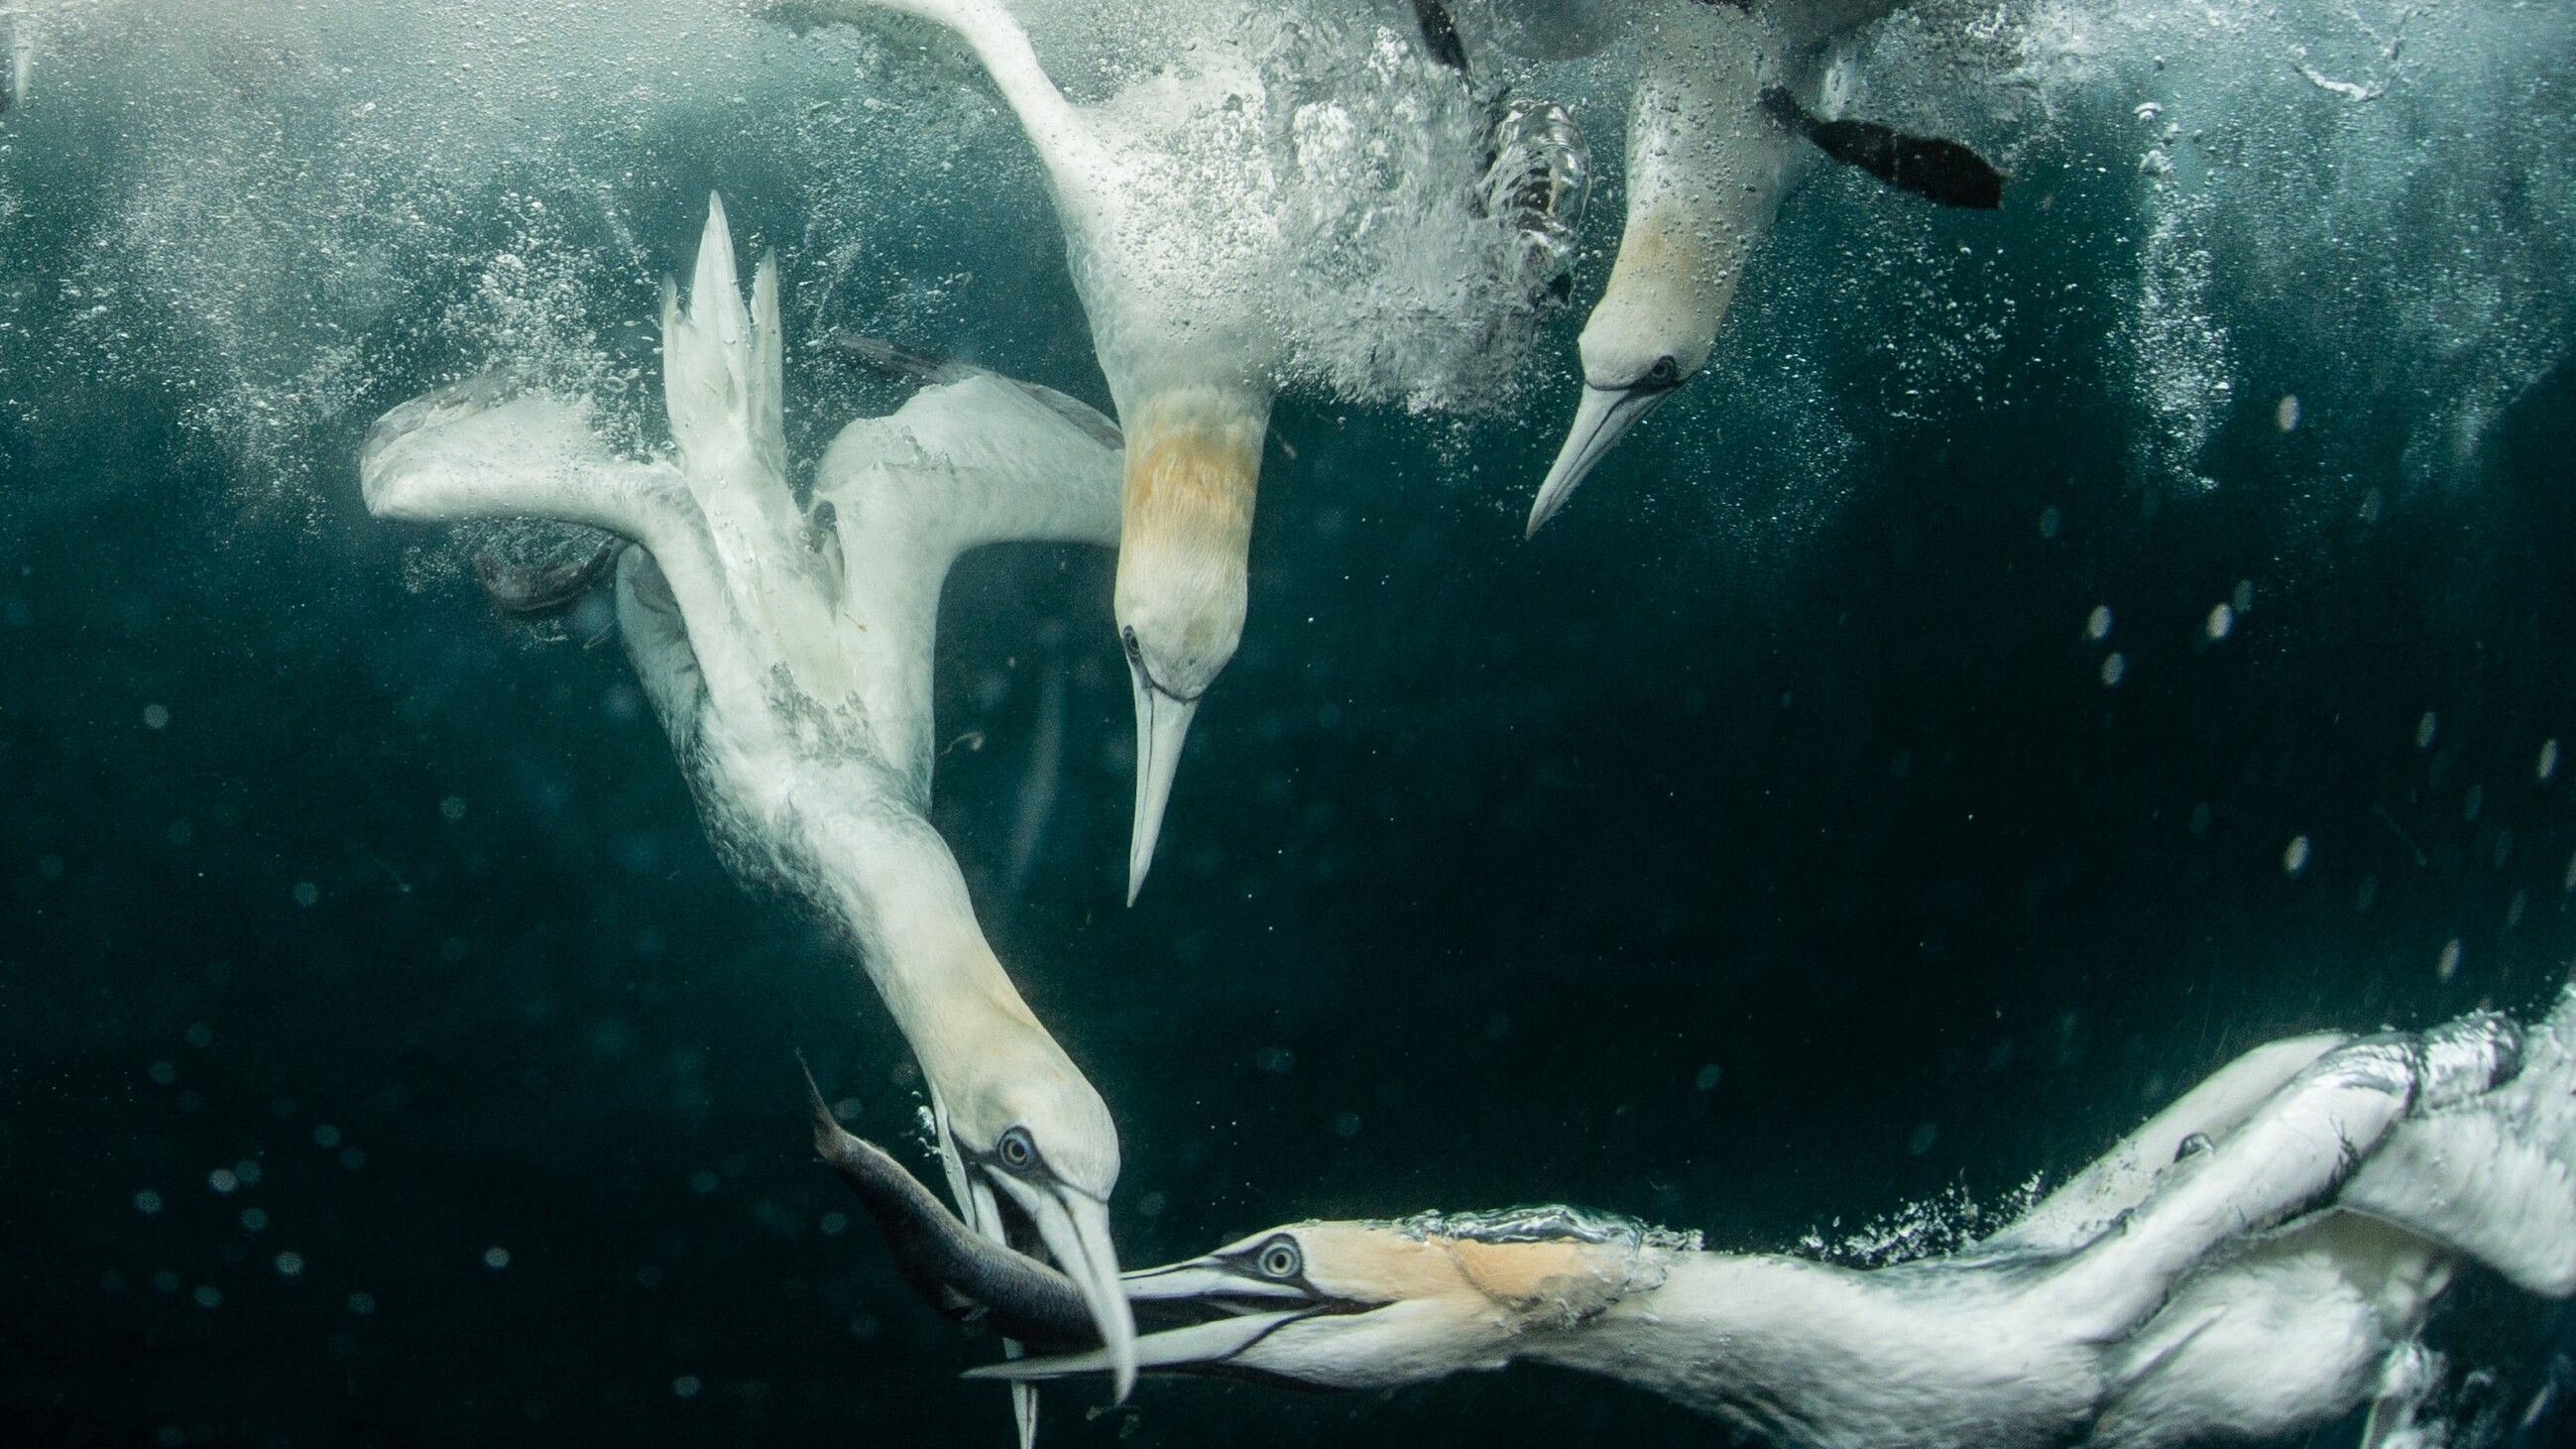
[(1759, 850)]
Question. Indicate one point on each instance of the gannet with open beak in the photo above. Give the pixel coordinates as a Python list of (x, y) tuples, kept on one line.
[(1716, 136), (788, 654), (2257, 1260)]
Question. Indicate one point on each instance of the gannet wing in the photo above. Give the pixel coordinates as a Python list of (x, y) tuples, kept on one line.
[(979, 461), (898, 361), (2493, 1177), (479, 449), (1075, 159), (2116, 1181), (657, 643)]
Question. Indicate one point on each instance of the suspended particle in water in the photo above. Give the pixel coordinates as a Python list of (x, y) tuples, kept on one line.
[(290, 1264), (2370, 506), (2285, 414), (833, 1224), (1497, 1027), (1346, 1124), (2050, 520), (326, 1136), (452, 809), (1152, 1204), (2514, 908), (496, 1258), (686, 1386), (2547, 764), (209, 1296), (2243, 599), (2473, 802), (2367, 896), (2425, 729), (362, 1304), (1708, 1078), (704, 1182), (306, 893), (147, 1202), (2294, 857), (156, 716), (222, 1180), (201, 1036), (2200, 819), (163, 1074), (2114, 668), (1921, 1139), (2221, 621), (254, 1219), (2449, 965), (2097, 625)]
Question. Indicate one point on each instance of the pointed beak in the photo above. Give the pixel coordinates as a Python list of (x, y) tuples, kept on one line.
[(1162, 723), (1236, 1309), (1075, 1228), (1604, 417)]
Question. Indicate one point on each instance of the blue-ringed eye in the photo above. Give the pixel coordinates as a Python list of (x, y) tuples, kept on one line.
[(1279, 1258), (1015, 1149)]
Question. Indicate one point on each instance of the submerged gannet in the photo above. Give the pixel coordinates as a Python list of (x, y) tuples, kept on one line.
[(2258, 1259), (21, 60), (1717, 132), (788, 654), (1172, 236)]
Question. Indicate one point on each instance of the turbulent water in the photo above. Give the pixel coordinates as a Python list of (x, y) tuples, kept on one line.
[(2044, 654)]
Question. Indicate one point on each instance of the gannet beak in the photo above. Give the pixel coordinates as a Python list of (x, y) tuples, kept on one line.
[(1606, 415), (1075, 1228), (1237, 1311), (1162, 722)]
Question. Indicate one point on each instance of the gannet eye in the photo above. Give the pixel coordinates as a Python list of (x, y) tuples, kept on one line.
[(1016, 1150), (1127, 639), (1665, 372), (1279, 1258)]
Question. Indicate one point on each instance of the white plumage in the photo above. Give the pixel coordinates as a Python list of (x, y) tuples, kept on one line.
[(788, 652), (2255, 1261)]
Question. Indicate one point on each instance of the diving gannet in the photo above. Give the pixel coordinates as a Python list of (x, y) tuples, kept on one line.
[(788, 654), (2257, 1260), (1175, 292), (1716, 136)]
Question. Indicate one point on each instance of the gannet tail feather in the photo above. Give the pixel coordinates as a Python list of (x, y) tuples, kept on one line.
[(2493, 1176), (721, 365)]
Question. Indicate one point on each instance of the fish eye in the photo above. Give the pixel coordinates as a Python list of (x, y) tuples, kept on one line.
[(1279, 1258), (1665, 371), (1016, 1150)]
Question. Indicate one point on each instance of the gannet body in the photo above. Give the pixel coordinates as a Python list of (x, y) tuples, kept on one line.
[(1173, 293), (788, 654), (1717, 133), (2257, 1260)]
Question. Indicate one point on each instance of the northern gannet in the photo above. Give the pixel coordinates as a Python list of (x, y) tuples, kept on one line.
[(788, 653), (1717, 133), (2258, 1259), (1173, 233)]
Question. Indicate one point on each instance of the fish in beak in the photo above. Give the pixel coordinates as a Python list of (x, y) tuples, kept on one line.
[(1162, 724), (1605, 416), (1075, 1229)]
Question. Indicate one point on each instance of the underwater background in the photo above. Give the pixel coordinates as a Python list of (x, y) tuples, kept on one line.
[(2045, 655)]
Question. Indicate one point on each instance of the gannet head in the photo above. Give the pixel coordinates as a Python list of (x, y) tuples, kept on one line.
[(1193, 463), (1357, 1305), (1036, 1155), (1652, 332)]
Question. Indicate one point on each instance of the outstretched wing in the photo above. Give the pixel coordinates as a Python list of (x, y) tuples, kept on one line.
[(479, 449), (2493, 1177), (977, 461)]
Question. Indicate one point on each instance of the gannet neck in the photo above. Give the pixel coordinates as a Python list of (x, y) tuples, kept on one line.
[(1077, 164), (1706, 171)]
